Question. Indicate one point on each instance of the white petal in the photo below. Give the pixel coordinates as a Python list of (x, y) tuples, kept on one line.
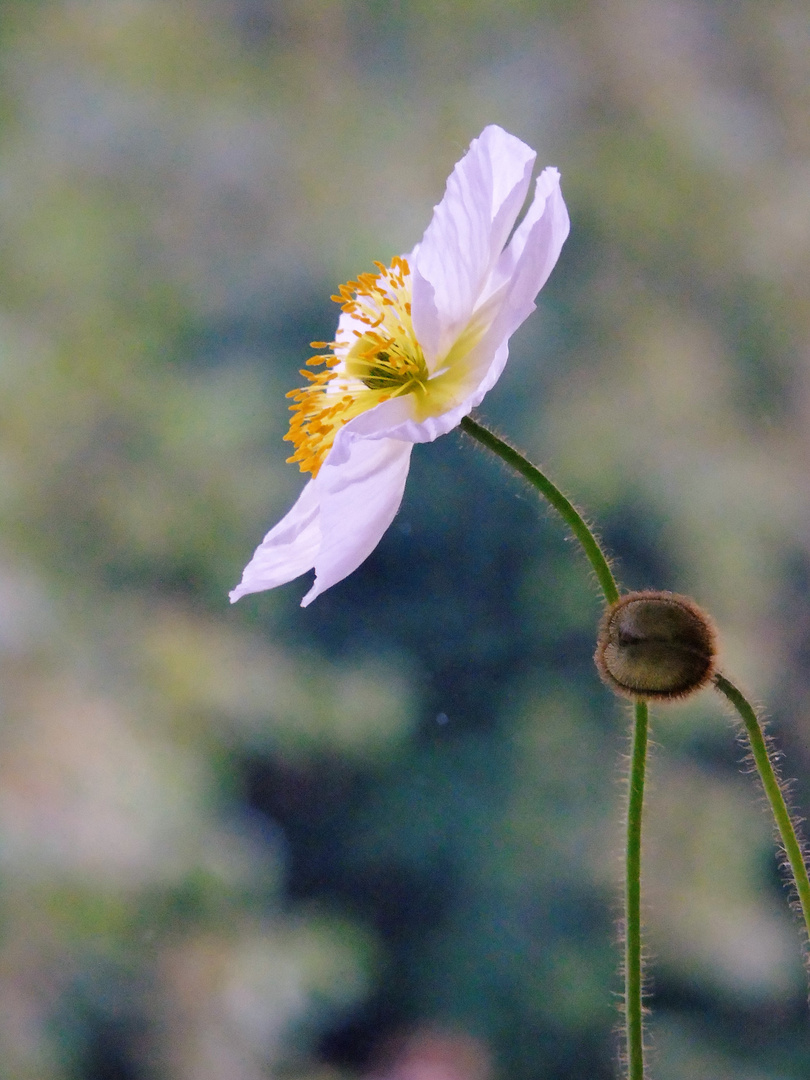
[(522, 270), (396, 419), (360, 494), (462, 244), (288, 550), (535, 247), (378, 423)]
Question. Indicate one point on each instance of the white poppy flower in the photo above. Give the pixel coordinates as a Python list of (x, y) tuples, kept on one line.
[(417, 347)]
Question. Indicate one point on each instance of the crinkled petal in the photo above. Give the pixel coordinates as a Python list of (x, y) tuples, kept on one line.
[(359, 498), (460, 249), (532, 253), (288, 550), (522, 271)]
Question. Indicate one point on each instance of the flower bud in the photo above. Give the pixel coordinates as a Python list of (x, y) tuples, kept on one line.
[(655, 645)]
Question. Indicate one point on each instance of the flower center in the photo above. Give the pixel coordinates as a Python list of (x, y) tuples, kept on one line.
[(376, 357)]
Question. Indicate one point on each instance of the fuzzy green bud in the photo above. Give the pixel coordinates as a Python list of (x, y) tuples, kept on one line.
[(655, 645)]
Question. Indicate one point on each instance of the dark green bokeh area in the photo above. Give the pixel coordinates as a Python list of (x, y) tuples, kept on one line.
[(382, 836)]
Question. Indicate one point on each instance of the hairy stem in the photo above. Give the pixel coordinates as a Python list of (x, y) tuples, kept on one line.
[(633, 1006), (773, 791), (632, 921)]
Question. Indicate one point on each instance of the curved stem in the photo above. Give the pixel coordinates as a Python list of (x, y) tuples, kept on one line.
[(633, 1007), (773, 792), (567, 511), (632, 915)]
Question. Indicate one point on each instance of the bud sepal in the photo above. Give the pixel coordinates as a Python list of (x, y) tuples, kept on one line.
[(656, 645)]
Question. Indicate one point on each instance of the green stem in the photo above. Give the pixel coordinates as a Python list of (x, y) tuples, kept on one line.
[(773, 792), (567, 511), (632, 923), (633, 1007)]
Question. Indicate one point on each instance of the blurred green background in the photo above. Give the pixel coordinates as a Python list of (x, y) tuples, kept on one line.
[(381, 837)]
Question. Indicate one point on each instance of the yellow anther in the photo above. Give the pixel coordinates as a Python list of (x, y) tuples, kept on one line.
[(364, 369)]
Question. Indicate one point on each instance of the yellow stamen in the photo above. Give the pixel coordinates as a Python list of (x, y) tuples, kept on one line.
[(383, 361)]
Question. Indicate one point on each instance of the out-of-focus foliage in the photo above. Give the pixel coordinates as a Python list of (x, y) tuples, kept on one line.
[(382, 836)]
